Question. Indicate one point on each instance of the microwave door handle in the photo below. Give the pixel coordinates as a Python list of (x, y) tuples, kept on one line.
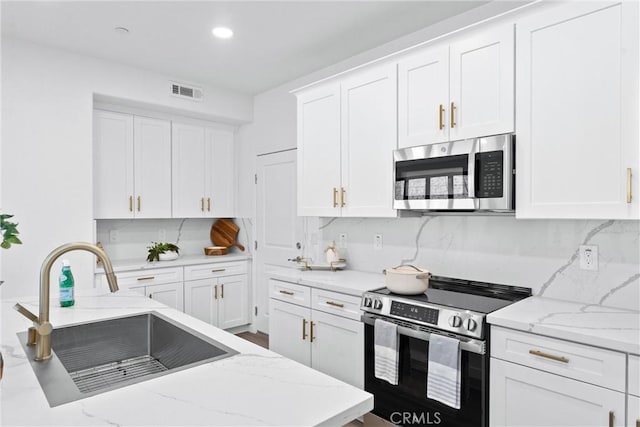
[(471, 169)]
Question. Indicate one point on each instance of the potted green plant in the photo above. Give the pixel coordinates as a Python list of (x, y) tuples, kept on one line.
[(162, 251), (9, 232)]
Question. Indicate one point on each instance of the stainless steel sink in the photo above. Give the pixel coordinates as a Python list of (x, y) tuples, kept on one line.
[(92, 358)]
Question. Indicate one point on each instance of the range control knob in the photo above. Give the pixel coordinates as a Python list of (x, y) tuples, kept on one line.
[(377, 304), (455, 321), (470, 324), (366, 302)]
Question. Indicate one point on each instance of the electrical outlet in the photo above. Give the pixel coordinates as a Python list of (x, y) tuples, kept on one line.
[(114, 236), (589, 257), (162, 235), (377, 242), (342, 240)]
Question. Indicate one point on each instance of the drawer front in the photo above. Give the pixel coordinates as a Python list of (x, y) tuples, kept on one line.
[(336, 303), (208, 271), (634, 375), (156, 276), (605, 368), (290, 292)]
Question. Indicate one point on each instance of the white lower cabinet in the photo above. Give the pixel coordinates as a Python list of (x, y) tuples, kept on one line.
[(633, 411), (331, 343), (523, 396), (220, 301), (170, 294)]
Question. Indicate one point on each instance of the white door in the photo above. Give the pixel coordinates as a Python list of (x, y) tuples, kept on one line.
[(633, 417), (337, 347), (188, 171), (233, 306), (170, 294), (423, 97), (113, 164), (201, 300), (319, 151), (220, 174), (522, 396), (152, 167), (482, 91), (577, 112), (369, 136), (279, 231), (289, 329)]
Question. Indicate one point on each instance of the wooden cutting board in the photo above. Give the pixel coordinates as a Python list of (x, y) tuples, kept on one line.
[(224, 232)]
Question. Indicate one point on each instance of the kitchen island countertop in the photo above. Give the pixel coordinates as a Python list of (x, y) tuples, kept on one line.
[(254, 387), (592, 324)]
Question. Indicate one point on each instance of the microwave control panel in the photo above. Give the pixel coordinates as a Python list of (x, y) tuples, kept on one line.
[(489, 174)]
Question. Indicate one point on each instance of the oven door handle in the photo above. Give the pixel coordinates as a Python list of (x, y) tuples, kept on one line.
[(471, 169), (470, 344)]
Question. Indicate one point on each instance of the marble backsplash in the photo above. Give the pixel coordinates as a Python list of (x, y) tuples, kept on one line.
[(540, 254), (134, 235)]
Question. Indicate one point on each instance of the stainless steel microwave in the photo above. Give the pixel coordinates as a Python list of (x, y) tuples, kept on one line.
[(475, 174)]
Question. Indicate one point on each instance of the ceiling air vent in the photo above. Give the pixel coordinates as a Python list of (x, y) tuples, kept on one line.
[(188, 92)]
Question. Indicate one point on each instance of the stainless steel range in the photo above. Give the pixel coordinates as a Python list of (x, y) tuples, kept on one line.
[(452, 307)]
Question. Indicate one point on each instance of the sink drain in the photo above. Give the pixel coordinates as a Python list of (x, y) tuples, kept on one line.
[(99, 377)]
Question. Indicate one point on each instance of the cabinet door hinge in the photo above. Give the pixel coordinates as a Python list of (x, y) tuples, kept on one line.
[(255, 178)]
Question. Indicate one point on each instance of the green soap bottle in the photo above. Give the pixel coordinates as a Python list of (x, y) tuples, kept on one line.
[(66, 285)]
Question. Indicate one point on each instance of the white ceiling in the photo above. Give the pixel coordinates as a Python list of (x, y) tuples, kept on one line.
[(274, 41)]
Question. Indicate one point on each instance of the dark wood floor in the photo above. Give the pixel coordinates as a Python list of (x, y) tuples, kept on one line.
[(259, 338)]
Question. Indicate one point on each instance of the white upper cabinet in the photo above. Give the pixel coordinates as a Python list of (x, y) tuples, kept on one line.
[(132, 166), (577, 112), (203, 171), (319, 151), (423, 89), (346, 137), (458, 90)]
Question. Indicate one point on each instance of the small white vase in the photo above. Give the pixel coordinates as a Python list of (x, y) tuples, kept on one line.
[(168, 256)]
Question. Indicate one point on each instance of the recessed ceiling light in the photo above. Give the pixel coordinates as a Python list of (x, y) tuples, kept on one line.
[(222, 32), (121, 30)]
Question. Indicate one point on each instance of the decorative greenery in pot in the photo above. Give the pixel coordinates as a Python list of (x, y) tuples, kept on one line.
[(155, 249), (9, 232)]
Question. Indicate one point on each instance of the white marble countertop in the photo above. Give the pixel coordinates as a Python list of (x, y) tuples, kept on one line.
[(344, 281), (254, 387), (592, 324), (143, 264)]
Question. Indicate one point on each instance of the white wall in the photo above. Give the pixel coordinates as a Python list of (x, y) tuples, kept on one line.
[(46, 172)]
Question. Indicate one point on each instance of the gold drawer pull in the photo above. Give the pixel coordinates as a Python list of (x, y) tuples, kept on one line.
[(612, 417), (342, 193), (304, 329), (218, 270), (208, 204), (453, 115), (335, 304), (441, 117), (130, 203), (202, 204), (286, 292), (139, 204), (311, 337), (146, 278), (628, 185), (335, 197), (549, 356)]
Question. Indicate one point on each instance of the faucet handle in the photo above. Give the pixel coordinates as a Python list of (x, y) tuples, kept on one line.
[(26, 313)]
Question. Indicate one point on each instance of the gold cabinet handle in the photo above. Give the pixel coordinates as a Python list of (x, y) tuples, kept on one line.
[(311, 337), (215, 292), (208, 204), (638, 423), (549, 356), (202, 204), (1, 365), (628, 185), (146, 278), (139, 204), (335, 197), (453, 115), (335, 304), (441, 117), (218, 270), (286, 292), (304, 329), (612, 418), (222, 291), (130, 203), (342, 193)]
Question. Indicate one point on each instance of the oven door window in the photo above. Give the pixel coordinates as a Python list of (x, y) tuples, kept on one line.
[(433, 178), (410, 395)]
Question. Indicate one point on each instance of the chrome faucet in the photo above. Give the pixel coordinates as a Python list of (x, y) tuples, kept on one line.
[(41, 331)]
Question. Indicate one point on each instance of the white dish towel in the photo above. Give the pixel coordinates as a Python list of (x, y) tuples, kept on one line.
[(443, 374), (385, 340)]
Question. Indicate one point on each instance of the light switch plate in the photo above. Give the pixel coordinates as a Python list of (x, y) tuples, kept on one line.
[(377, 242), (342, 240), (589, 257)]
